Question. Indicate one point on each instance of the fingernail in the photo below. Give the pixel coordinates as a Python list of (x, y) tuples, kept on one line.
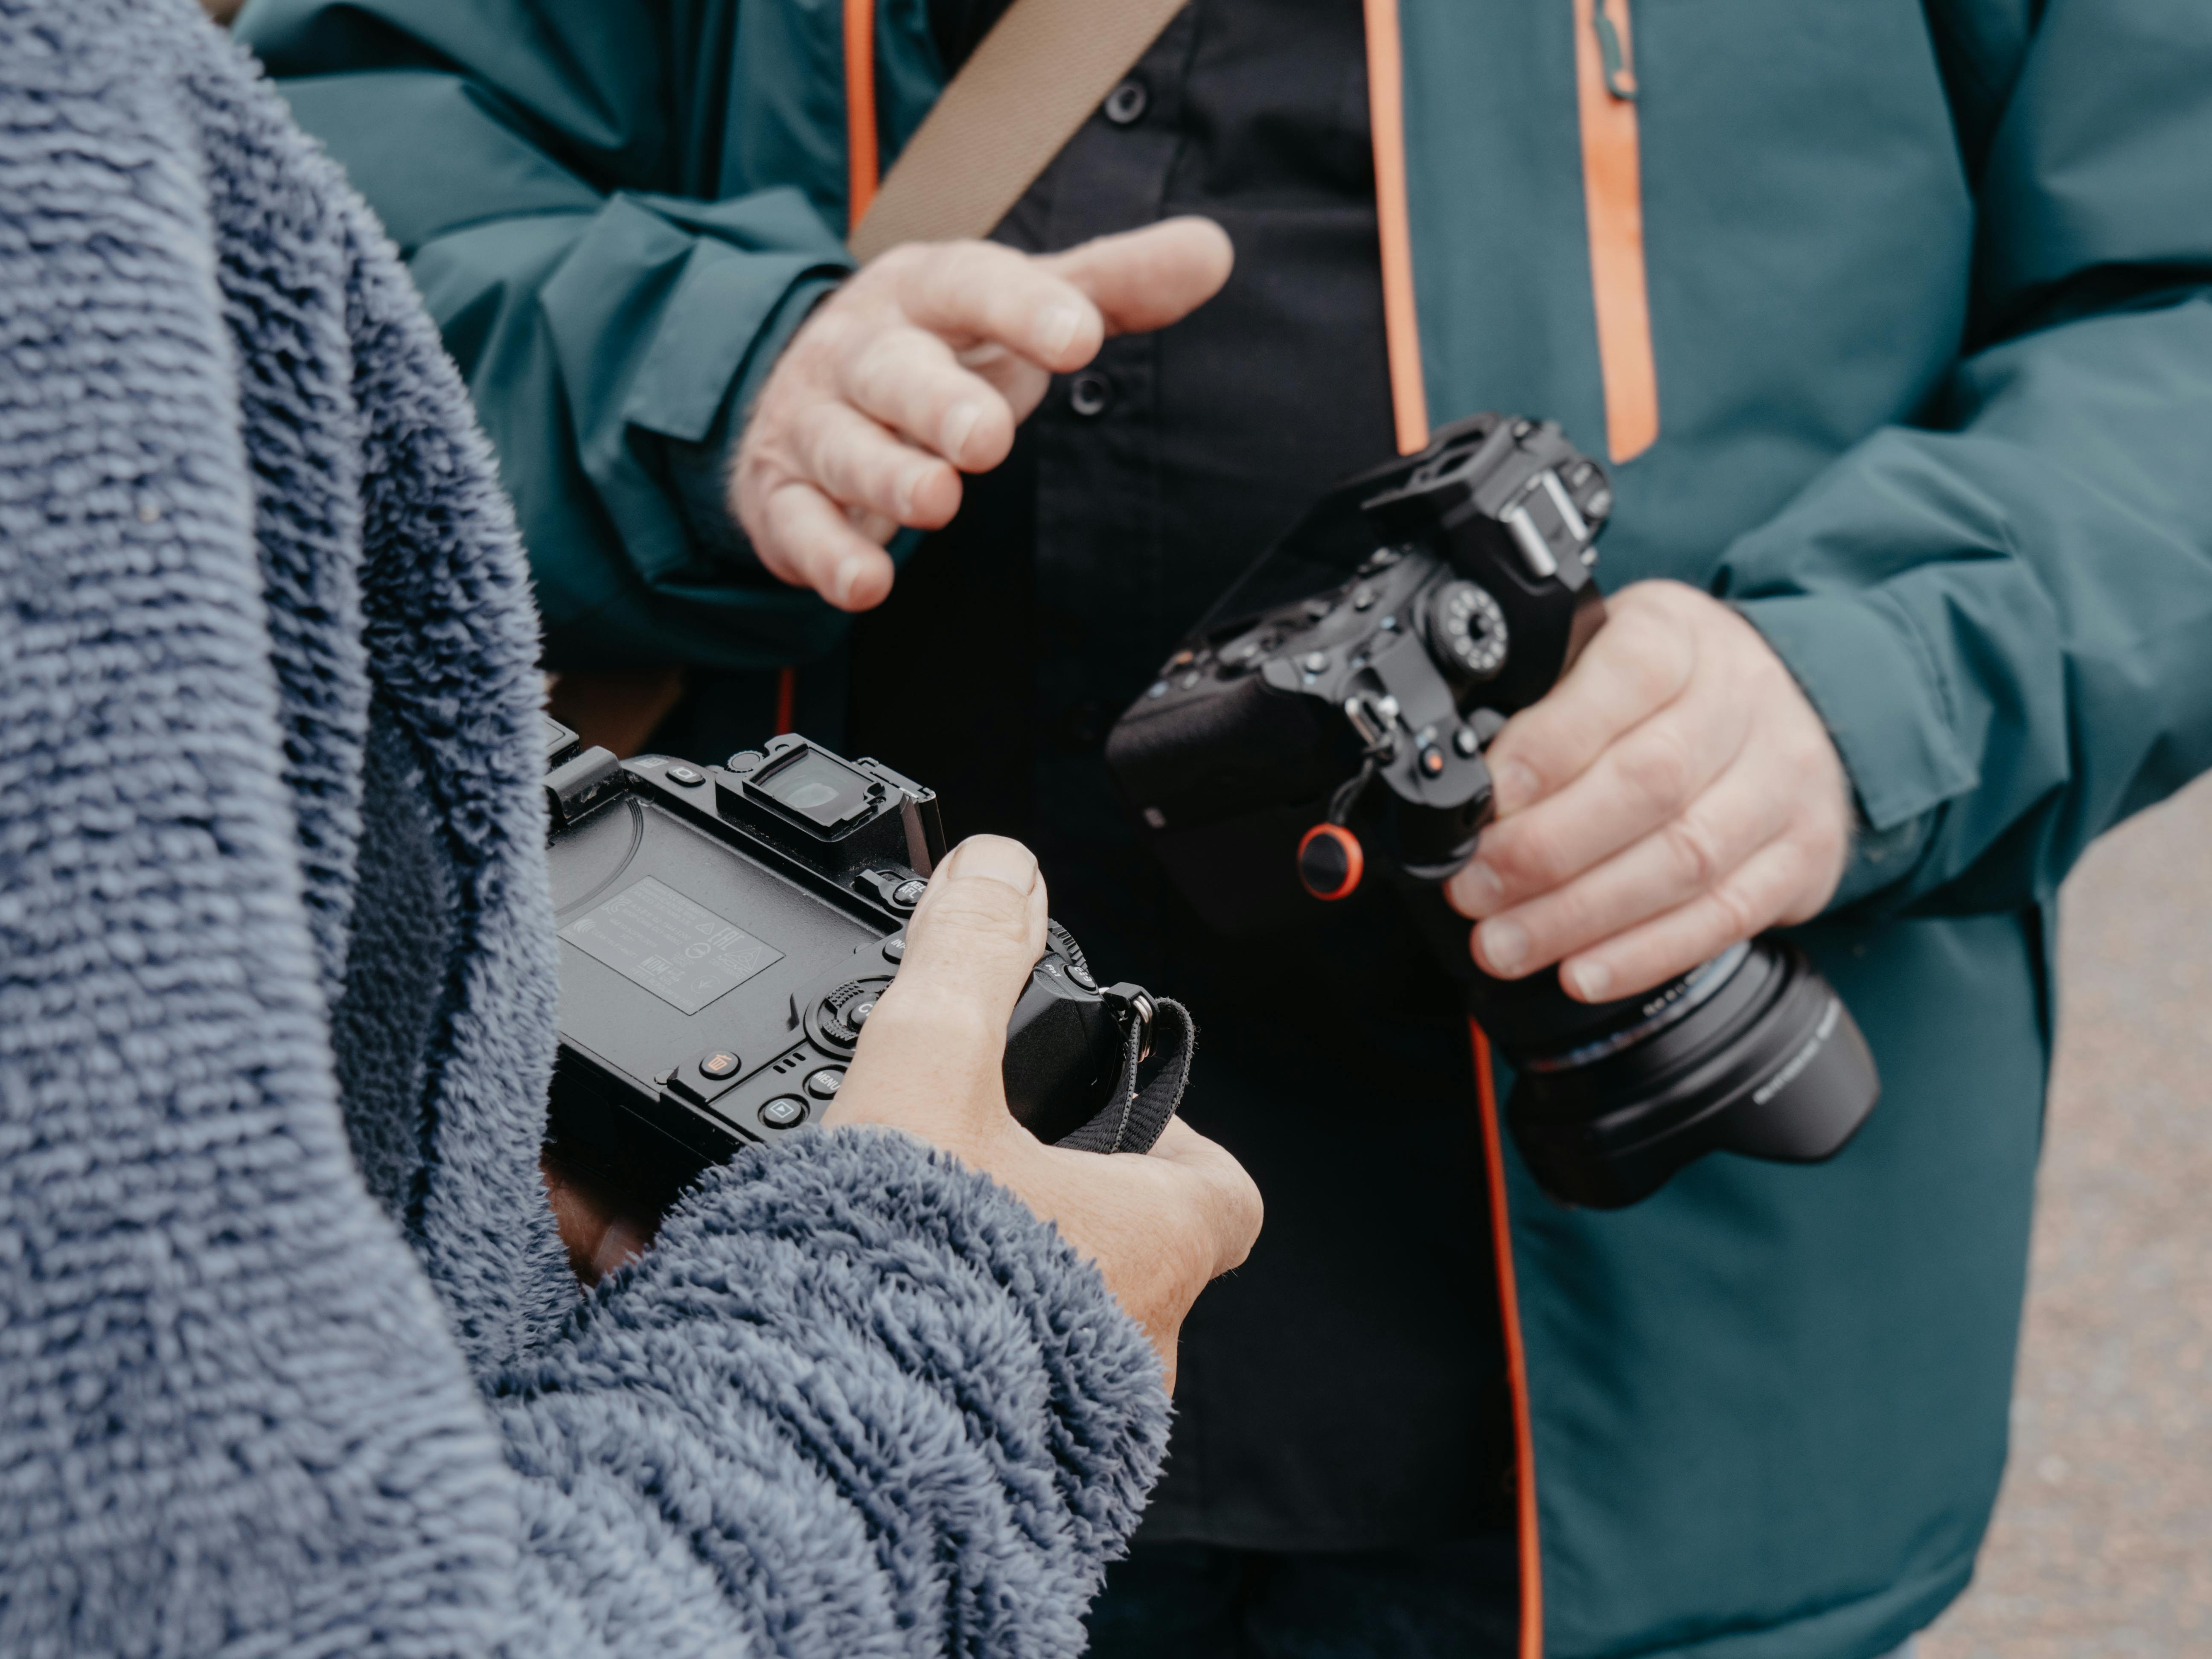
[(997, 859), (1590, 980), (1504, 945), (847, 579), (958, 424), (1479, 888), (1060, 326), (1512, 784)]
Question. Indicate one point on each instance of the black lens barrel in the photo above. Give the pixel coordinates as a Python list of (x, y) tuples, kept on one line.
[(1768, 1064)]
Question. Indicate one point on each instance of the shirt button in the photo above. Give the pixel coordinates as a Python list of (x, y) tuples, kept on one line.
[(1126, 104), (1089, 393)]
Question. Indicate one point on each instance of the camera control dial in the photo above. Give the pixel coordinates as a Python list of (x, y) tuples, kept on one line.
[(1466, 631)]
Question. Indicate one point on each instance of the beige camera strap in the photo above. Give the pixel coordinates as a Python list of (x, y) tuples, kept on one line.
[(1032, 81)]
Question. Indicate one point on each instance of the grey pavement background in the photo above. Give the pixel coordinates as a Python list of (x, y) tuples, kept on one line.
[(2102, 1546)]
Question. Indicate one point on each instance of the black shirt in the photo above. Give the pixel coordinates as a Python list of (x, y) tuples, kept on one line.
[(1345, 1388)]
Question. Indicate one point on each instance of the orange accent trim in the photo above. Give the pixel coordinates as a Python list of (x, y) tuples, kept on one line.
[(1516, 1362), (786, 699), (1409, 397), (862, 169), (1355, 859), (1613, 198)]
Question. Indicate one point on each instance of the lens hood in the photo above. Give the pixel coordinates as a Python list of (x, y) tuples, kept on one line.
[(1770, 1065)]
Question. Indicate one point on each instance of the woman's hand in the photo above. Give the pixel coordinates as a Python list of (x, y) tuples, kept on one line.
[(1675, 792), (919, 369), (1159, 1224)]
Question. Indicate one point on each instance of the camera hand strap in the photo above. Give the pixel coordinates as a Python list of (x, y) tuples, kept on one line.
[(1138, 1115), (1036, 77)]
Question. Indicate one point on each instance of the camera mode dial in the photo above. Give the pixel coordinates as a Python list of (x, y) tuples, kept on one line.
[(1466, 631), (840, 1015)]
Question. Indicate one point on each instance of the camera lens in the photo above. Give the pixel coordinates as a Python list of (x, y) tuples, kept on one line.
[(1751, 1053)]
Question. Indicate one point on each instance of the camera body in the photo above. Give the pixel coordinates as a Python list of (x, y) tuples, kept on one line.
[(1385, 640), (1328, 719), (723, 933)]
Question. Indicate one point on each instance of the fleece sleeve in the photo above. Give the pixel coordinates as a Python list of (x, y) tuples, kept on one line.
[(855, 1401), (2006, 619), (535, 162)]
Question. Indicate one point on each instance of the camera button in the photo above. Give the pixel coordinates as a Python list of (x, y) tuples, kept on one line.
[(718, 1065), (689, 777), (784, 1112), (1466, 742), (895, 947), (824, 1084), (907, 894)]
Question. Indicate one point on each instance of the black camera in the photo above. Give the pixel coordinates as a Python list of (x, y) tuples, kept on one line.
[(725, 933), (1330, 715)]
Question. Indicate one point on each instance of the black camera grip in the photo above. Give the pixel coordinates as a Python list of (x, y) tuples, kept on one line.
[(1136, 1116)]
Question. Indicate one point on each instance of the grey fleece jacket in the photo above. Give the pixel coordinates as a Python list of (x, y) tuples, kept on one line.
[(290, 1362)]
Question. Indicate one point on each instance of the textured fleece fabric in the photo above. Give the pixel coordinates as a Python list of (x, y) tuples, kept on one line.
[(275, 944)]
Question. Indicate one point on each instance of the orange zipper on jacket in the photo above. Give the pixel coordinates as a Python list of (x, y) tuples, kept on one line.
[(1409, 397), (1516, 1362), (862, 156), (1613, 201)]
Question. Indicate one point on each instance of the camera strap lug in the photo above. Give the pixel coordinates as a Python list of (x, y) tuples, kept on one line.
[(572, 788)]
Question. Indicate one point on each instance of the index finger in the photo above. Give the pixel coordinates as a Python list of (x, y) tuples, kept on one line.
[(970, 293), (1636, 665), (1145, 279)]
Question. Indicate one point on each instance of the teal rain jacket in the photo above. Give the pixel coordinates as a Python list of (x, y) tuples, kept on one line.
[(1909, 354)]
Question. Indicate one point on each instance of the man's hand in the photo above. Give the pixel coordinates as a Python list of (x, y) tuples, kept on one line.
[(919, 369), (1159, 1224), (1675, 792)]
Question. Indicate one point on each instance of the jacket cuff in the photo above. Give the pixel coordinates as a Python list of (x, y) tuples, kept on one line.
[(699, 469), (1862, 664), (969, 1293)]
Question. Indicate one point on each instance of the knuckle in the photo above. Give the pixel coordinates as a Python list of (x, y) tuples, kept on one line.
[(1525, 862), (874, 374), (1735, 911), (1693, 848), (1659, 767)]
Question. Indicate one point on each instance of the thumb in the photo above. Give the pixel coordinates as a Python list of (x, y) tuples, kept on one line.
[(980, 929), (1142, 280)]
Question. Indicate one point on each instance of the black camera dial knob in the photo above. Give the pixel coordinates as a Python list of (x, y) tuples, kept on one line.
[(1466, 631), (840, 1015)]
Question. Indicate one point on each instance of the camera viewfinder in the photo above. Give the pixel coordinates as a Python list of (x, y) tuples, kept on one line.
[(818, 787)]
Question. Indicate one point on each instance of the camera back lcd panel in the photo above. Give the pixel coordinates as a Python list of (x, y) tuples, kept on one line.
[(725, 933)]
